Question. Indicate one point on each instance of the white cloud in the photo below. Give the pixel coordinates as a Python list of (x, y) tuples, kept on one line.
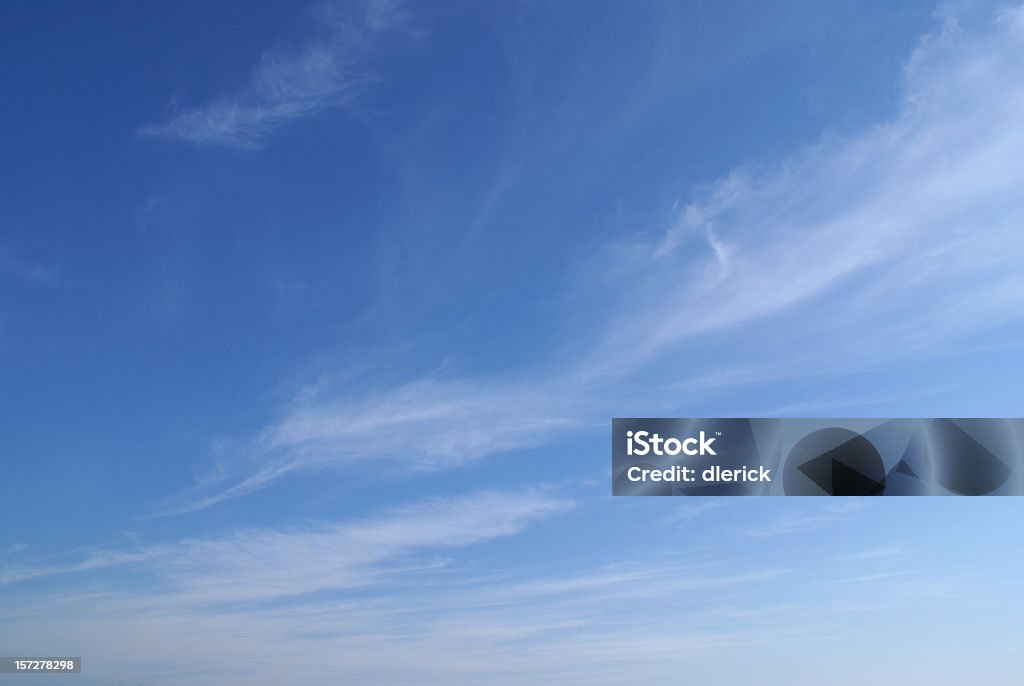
[(353, 553), (828, 514), (426, 425), (879, 553), (267, 563), (94, 560), (689, 511), (48, 275), (437, 423), (327, 71), (906, 232)]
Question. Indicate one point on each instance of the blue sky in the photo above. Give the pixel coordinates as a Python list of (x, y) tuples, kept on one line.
[(313, 319)]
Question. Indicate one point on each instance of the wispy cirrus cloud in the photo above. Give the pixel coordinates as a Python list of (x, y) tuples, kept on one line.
[(281, 563), (690, 511), (879, 553), (908, 229), (50, 275), (327, 71), (900, 239), (93, 560), (814, 519), (426, 425)]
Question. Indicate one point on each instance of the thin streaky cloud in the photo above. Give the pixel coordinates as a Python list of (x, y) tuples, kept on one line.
[(828, 515), (278, 563), (288, 84), (685, 513), (49, 275), (10, 575), (885, 552), (428, 425)]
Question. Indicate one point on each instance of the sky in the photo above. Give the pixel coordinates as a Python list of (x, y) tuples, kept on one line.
[(313, 318)]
